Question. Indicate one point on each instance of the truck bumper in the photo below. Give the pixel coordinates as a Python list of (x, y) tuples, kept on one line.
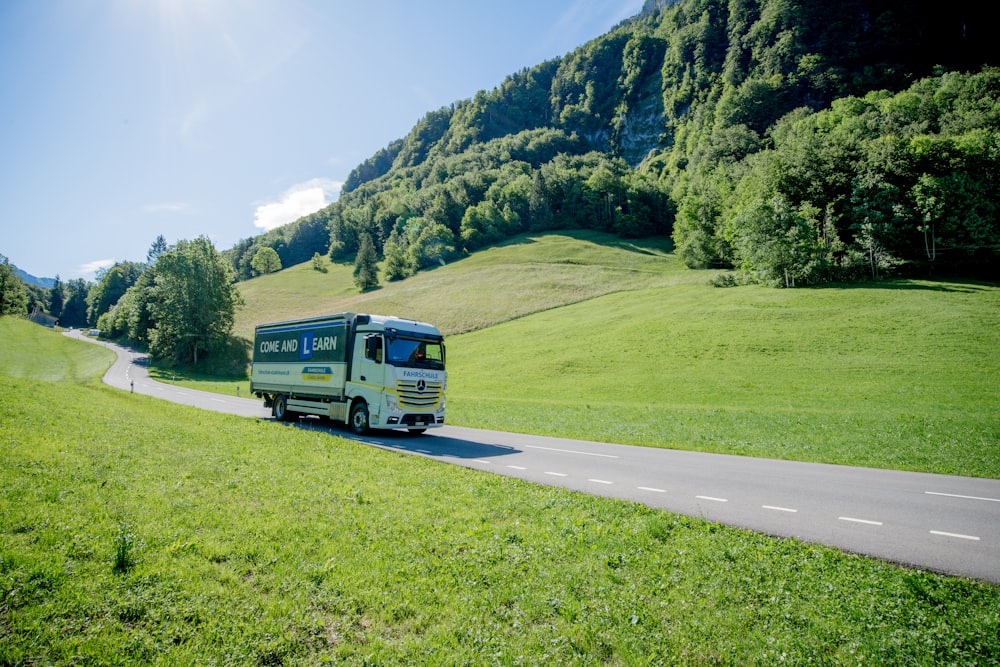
[(411, 420)]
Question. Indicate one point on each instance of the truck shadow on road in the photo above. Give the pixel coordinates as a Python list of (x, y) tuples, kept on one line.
[(429, 444)]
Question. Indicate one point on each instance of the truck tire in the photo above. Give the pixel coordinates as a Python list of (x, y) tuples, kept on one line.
[(359, 418), (279, 408)]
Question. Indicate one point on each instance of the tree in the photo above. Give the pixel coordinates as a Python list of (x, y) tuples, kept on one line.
[(483, 224), (131, 317), (265, 261), (56, 298), (158, 247), (397, 262), (13, 300), (433, 244), (872, 251), (773, 243), (74, 312), (194, 302), (366, 264), (112, 286), (319, 263)]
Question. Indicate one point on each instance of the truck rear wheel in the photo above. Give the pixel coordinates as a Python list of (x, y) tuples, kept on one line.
[(359, 418), (279, 408)]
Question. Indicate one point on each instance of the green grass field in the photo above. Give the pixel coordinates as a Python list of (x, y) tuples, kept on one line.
[(904, 376), (50, 357), (135, 531), (580, 335)]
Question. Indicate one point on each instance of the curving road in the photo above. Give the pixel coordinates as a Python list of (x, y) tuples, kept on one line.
[(942, 523)]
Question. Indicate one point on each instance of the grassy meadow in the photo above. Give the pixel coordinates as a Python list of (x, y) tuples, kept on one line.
[(526, 275), (49, 357), (136, 531), (904, 376), (583, 335)]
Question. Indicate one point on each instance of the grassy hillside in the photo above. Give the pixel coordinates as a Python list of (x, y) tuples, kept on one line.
[(581, 335), (210, 539), (29, 350), (903, 376), (526, 275)]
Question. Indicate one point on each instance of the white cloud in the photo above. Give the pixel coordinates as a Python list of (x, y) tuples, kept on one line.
[(297, 201), (89, 269)]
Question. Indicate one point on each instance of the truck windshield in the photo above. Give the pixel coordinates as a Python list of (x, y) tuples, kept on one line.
[(416, 353)]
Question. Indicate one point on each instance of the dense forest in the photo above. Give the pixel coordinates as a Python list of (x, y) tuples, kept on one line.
[(795, 142)]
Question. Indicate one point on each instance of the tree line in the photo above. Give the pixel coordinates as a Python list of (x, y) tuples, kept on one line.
[(180, 304), (872, 184)]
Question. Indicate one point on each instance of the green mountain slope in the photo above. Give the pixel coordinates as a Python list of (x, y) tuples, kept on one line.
[(697, 113)]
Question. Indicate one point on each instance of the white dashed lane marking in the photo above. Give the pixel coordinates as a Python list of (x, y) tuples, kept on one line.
[(955, 535), (716, 499), (778, 509), (864, 521), (572, 451), (955, 495)]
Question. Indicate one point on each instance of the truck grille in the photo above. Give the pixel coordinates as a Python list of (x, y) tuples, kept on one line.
[(419, 395)]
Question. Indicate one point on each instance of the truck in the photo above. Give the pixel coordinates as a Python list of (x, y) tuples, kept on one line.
[(367, 371)]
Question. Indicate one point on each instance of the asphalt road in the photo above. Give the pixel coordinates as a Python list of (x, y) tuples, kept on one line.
[(941, 523)]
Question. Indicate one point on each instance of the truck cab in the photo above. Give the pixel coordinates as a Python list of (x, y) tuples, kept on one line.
[(397, 377)]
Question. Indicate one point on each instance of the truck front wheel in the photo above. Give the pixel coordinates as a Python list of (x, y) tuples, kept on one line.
[(279, 408), (359, 418)]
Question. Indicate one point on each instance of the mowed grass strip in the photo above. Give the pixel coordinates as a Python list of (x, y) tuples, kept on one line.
[(134, 531), (902, 375)]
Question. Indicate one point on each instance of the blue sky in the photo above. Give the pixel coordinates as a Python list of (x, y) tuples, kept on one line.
[(124, 119)]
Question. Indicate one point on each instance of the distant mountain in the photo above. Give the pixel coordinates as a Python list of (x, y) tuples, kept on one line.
[(29, 279)]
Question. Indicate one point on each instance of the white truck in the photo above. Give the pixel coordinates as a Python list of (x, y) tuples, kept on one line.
[(369, 371)]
